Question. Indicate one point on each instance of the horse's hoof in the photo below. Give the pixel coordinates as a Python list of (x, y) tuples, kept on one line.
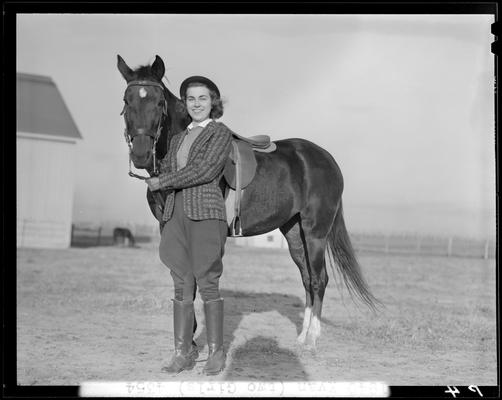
[(301, 338), (310, 342)]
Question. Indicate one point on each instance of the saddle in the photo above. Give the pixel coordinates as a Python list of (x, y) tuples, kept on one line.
[(240, 170)]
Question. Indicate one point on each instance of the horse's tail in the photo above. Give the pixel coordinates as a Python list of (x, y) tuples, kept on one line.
[(341, 252)]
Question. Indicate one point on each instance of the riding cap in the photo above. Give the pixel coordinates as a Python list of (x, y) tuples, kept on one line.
[(199, 79)]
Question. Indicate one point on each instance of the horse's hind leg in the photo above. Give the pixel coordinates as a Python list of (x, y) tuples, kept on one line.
[(293, 235), (318, 282), (315, 241)]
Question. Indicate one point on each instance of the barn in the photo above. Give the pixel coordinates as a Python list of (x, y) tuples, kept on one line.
[(46, 138)]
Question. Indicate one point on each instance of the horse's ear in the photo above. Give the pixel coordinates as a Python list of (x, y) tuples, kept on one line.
[(126, 72), (158, 68)]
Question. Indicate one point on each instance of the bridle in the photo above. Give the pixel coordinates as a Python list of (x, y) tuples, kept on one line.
[(157, 133)]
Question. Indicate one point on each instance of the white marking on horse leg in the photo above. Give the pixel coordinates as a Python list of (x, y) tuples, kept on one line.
[(306, 324), (314, 331)]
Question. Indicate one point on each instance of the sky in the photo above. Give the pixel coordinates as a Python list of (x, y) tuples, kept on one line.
[(404, 103)]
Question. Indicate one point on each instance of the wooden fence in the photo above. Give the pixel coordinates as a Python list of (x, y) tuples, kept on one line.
[(87, 236), (424, 245), (391, 244)]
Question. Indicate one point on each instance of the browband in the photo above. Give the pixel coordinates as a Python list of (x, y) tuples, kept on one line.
[(145, 83)]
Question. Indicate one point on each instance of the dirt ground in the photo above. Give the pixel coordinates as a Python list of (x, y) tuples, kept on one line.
[(105, 314)]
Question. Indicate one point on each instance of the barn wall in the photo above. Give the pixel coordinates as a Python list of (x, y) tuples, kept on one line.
[(45, 182)]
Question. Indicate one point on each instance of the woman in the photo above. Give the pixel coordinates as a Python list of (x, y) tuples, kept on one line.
[(195, 231)]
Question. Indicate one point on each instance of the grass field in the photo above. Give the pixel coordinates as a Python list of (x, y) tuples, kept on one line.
[(104, 313)]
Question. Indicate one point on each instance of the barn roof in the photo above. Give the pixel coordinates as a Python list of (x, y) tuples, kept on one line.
[(41, 108)]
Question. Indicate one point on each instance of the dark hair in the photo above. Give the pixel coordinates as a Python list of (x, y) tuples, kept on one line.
[(216, 103)]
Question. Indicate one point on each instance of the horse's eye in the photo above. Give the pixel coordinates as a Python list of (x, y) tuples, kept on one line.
[(161, 104)]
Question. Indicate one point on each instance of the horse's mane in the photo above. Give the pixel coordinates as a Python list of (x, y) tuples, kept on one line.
[(144, 72)]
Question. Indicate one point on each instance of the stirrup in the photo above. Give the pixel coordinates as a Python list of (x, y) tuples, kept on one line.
[(235, 227)]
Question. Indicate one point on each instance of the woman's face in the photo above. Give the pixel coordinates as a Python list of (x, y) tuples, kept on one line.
[(198, 103)]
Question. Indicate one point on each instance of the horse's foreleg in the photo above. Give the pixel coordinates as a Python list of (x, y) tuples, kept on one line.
[(292, 234), (194, 318)]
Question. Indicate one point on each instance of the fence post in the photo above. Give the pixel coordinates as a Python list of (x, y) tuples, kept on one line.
[(72, 233), (487, 246), (23, 232), (450, 246), (99, 236)]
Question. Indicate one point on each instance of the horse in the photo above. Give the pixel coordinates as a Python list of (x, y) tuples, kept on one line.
[(123, 236), (297, 189)]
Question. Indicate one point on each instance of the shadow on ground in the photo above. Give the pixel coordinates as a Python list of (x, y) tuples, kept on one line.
[(263, 359), (239, 304), (259, 351)]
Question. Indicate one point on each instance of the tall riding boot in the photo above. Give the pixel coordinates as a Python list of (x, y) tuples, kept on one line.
[(213, 311), (185, 349)]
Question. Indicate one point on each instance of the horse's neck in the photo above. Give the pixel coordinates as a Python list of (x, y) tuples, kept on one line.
[(177, 122), (171, 125)]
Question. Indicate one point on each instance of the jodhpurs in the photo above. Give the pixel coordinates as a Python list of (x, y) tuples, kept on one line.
[(193, 251)]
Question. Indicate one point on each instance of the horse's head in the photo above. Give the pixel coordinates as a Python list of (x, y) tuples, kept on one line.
[(145, 107)]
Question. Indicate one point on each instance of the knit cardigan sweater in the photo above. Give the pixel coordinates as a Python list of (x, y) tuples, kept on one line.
[(199, 179)]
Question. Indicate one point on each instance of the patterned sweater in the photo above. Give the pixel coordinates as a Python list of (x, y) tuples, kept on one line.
[(199, 179)]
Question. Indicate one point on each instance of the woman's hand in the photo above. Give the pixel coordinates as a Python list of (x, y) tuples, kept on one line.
[(153, 183)]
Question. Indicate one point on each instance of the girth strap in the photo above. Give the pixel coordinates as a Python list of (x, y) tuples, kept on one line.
[(236, 228)]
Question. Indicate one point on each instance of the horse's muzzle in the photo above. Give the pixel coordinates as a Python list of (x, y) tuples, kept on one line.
[(142, 151), (141, 162)]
